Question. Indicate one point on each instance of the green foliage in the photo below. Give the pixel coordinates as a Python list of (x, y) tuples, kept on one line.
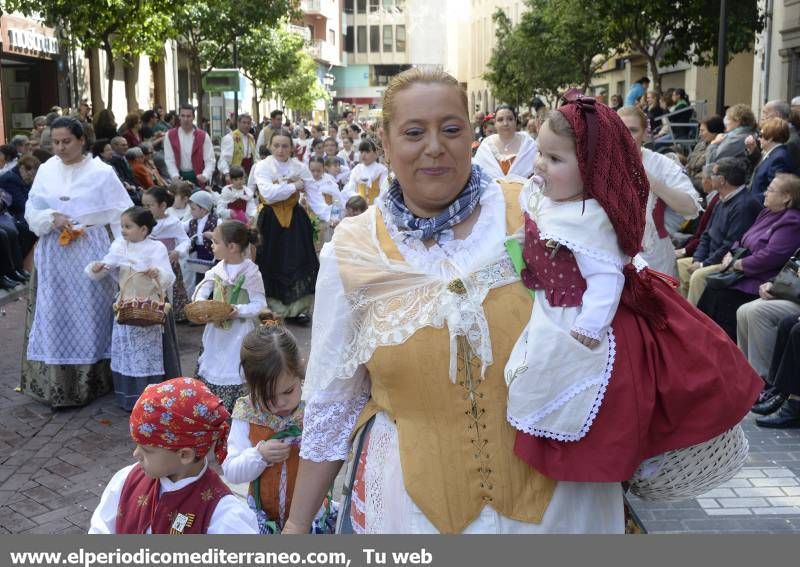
[(301, 89), (682, 30), (268, 55), (554, 45)]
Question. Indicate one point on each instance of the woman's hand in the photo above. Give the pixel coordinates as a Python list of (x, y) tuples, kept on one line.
[(173, 255), (274, 451), (738, 266), (718, 139), (680, 253), (584, 340), (98, 267), (726, 260), (750, 144), (299, 185), (152, 273), (694, 267), (60, 221), (764, 291), (234, 313)]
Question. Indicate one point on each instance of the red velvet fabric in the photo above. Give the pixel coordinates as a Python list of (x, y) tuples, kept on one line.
[(198, 163), (669, 389), (141, 507)]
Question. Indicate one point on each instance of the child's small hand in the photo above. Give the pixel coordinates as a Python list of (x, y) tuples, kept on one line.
[(584, 340), (152, 273), (234, 313), (98, 267), (173, 256), (274, 451)]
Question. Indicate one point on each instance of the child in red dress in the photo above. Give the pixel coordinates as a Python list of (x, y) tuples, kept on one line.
[(614, 366)]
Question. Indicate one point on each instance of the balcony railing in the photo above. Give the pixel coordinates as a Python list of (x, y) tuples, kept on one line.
[(311, 6), (322, 50)]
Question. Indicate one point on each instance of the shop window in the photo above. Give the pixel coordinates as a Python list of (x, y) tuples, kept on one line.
[(388, 38)]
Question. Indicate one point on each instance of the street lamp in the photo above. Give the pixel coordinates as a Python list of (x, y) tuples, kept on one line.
[(722, 56)]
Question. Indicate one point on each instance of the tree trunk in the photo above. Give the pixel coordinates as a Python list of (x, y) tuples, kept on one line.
[(131, 78), (111, 69), (656, 75), (198, 76), (95, 82)]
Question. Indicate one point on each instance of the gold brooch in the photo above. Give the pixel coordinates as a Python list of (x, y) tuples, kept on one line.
[(457, 286)]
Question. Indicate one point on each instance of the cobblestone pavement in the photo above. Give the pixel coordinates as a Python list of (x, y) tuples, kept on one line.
[(54, 464)]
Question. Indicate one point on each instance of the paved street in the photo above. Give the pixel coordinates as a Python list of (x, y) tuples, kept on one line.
[(54, 465)]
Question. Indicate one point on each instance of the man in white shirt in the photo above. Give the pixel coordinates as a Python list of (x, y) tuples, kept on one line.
[(275, 124), (238, 148), (188, 152)]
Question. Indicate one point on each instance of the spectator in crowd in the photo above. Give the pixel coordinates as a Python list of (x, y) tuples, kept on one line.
[(653, 110), (135, 159), (8, 157), (105, 127), (616, 101), (680, 100), (119, 147), (22, 144), (784, 377), (17, 184), (711, 200), (477, 125), (131, 128), (776, 109), (637, 91), (696, 161), (733, 215), (162, 122), (275, 125), (771, 241), (12, 273), (775, 156), (149, 120), (149, 163), (39, 124), (84, 116), (740, 123), (45, 141)]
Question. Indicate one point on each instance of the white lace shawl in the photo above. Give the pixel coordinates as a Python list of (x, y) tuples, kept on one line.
[(488, 158), (410, 295), (87, 192)]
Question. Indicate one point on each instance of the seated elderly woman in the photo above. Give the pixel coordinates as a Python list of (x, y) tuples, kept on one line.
[(740, 122), (775, 157), (136, 160), (771, 241), (696, 161)]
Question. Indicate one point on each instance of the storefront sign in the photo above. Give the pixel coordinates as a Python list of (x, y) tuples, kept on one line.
[(30, 40)]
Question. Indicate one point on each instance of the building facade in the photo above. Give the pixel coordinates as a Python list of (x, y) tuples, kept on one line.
[(33, 73)]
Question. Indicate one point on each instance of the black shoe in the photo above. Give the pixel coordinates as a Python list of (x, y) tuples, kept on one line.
[(766, 393), (303, 320), (770, 405), (785, 418), (17, 277), (23, 274), (8, 283)]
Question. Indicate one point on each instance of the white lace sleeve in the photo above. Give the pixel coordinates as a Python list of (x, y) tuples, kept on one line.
[(604, 282), (330, 417)]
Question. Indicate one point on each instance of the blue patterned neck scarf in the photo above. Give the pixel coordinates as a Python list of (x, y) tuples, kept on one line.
[(441, 226)]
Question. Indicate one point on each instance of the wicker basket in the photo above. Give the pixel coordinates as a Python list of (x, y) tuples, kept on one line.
[(141, 311), (207, 310), (690, 472)]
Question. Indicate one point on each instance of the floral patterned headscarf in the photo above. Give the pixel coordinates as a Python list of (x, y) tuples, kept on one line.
[(179, 413)]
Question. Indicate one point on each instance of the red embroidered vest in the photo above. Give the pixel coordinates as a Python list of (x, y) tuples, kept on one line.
[(140, 506), (552, 269), (198, 163)]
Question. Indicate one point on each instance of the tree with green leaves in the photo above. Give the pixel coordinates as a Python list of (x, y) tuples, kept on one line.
[(301, 89), (121, 28), (666, 33), (553, 46), (209, 28), (267, 56)]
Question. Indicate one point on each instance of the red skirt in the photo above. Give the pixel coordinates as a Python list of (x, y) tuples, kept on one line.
[(670, 388)]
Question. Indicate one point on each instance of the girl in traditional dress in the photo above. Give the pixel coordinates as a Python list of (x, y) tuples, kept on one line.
[(202, 224), (237, 281), (74, 206), (170, 232), (235, 201), (324, 199), (181, 191), (368, 177), (508, 154), (614, 366), (349, 153), (137, 357), (286, 256), (264, 443)]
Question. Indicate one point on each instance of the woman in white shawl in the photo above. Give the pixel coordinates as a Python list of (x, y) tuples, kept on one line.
[(509, 154), (74, 207)]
